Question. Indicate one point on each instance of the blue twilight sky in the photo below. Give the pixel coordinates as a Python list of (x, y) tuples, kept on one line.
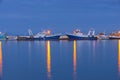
[(60, 16)]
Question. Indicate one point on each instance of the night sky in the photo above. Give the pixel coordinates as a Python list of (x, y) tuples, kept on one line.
[(60, 16)]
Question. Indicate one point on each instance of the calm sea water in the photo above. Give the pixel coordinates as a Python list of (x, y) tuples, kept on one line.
[(60, 60)]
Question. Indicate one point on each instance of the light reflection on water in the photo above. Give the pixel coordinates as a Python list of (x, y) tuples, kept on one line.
[(0, 60), (60, 60), (119, 58), (48, 59), (74, 59)]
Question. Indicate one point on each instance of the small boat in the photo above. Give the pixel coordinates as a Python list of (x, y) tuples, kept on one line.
[(114, 35), (78, 35)]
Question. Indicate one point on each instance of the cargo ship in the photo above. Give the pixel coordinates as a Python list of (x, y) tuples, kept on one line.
[(78, 35)]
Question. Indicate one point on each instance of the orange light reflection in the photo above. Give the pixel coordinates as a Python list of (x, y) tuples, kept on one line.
[(0, 59), (48, 59), (119, 57), (74, 59)]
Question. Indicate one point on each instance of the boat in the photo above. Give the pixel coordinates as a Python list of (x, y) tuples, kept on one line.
[(114, 35), (31, 36), (3, 36), (49, 36), (78, 35), (102, 36), (45, 35)]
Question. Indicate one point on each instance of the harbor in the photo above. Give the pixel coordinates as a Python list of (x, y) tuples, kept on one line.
[(47, 35), (59, 39)]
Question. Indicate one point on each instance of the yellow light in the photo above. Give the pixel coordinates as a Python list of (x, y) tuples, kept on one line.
[(48, 32), (48, 59), (119, 57), (0, 59), (74, 58)]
